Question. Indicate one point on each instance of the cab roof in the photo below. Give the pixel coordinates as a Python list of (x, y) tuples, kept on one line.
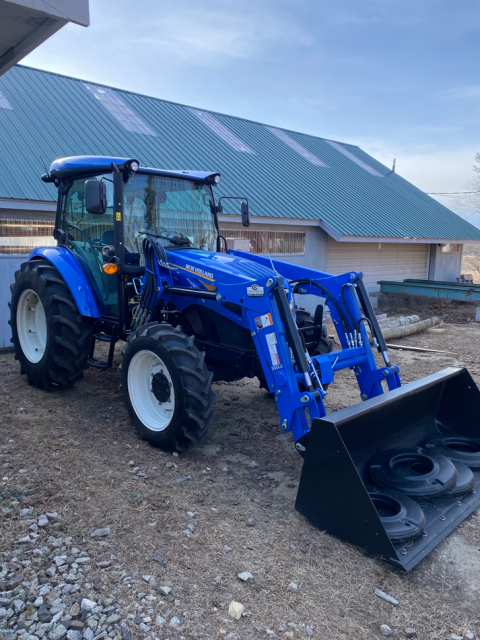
[(93, 165)]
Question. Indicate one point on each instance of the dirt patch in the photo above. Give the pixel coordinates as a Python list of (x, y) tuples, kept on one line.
[(71, 452)]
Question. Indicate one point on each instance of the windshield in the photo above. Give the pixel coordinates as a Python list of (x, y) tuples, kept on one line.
[(175, 211)]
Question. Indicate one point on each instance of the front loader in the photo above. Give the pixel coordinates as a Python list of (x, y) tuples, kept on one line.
[(139, 258)]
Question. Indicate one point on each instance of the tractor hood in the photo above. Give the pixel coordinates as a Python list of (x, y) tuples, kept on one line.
[(213, 268)]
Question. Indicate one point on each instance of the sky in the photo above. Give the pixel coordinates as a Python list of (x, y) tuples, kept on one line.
[(400, 78)]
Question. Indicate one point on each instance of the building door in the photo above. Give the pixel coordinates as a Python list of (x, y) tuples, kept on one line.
[(378, 261)]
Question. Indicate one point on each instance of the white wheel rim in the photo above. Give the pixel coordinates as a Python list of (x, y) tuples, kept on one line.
[(31, 325), (155, 415)]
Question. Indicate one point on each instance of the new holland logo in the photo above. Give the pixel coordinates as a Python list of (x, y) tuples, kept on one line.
[(255, 291)]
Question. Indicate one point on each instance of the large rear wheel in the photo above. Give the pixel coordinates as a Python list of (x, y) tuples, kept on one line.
[(50, 337), (167, 387)]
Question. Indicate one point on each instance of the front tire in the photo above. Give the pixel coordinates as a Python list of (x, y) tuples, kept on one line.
[(50, 337), (167, 387)]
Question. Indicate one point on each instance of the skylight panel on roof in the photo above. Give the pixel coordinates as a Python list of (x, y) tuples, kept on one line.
[(4, 103), (217, 127), (119, 109), (293, 144), (339, 147)]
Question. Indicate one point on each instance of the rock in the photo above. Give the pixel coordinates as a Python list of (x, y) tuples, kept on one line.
[(59, 632), (409, 632), (179, 480), (51, 571), (75, 609), (386, 596), (89, 635), (104, 564), (77, 625), (45, 590), (125, 633), (227, 549), (3, 613), (235, 610), (250, 522), (309, 630), (18, 605), (24, 539), (245, 576), (52, 515), (101, 533), (73, 634), (293, 586), (26, 513), (159, 620), (38, 602), (44, 614), (385, 629), (191, 527), (13, 583), (174, 622), (42, 521), (113, 619), (469, 635), (87, 604), (164, 590), (454, 637)]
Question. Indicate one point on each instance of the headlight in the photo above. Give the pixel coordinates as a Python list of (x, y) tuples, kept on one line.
[(217, 179), (134, 166)]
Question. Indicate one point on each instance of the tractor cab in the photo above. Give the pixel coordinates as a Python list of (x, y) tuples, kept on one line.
[(103, 223)]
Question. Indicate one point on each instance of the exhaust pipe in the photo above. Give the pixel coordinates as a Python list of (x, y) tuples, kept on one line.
[(337, 491)]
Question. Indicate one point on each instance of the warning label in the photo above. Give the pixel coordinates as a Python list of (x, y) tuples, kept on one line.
[(271, 339), (264, 321)]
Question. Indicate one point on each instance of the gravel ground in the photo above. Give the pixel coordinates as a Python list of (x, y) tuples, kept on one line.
[(176, 532)]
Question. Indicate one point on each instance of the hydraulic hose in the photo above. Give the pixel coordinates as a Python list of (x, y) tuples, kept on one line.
[(326, 292), (154, 254)]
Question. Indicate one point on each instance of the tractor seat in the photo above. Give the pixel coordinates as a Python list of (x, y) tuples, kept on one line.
[(107, 237)]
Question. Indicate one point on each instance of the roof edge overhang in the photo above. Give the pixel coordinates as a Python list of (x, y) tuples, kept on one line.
[(406, 240)]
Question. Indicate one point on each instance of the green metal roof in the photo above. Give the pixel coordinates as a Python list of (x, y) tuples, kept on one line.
[(285, 174)]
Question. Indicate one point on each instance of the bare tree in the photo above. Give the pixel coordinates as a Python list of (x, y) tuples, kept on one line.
[(470, 202)]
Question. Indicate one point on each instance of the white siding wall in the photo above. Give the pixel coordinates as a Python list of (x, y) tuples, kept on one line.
[(387, 261), (8, 266)]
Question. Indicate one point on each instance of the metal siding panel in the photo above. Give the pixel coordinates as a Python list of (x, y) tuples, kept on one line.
[(56, 116), (389, 262), (8, 266)]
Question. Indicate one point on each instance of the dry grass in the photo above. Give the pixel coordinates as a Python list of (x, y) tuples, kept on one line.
[(71, 455)]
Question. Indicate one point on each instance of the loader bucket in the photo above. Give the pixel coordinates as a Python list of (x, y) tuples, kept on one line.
[(336, 477)]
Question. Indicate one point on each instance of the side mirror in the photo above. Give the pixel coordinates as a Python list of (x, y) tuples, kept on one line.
[(95, 196), (245, 214)]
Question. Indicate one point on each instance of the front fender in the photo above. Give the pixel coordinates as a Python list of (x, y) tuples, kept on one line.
[(71, 271)]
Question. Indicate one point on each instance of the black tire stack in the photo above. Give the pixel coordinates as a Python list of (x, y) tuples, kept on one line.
[(440, 468)]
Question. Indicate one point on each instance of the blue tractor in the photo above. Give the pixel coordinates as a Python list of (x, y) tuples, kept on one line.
[(139, 258)]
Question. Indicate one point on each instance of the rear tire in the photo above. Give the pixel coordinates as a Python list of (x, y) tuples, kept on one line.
[(50, 337), (167, 387)]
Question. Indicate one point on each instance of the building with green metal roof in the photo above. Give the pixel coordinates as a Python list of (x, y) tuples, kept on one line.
[(313, 201)]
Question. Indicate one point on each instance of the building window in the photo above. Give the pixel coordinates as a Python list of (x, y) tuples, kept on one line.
[(21, 236), (451, 248), (263, 241)]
